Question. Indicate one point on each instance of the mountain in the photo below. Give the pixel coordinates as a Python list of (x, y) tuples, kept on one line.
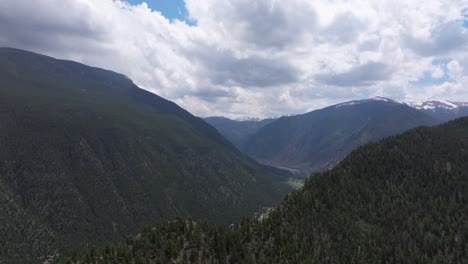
[(318, 140), (441, 109), (88, 157), (237, 131), (400, 200)]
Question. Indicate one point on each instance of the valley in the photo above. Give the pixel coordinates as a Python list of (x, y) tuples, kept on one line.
[(399, 200)]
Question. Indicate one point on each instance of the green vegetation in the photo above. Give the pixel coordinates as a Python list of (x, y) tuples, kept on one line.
[(296, 184), (86, 157), (401, 200)]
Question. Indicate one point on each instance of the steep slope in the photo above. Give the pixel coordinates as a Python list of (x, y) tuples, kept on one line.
[(441, 109), (401, 200), (88, 157), (320, 139), (237, 132)]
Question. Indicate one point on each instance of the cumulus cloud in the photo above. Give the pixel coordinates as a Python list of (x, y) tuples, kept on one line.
[(437, 73), (260, 24), (444, 39), (455, 70), (344, 29), (361, 75), (224, 68), (256, 58)]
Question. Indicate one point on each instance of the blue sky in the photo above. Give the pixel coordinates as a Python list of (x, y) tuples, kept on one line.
[(171, 9), (428, 79)]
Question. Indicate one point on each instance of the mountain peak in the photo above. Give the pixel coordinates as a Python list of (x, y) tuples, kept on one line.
[(385, 99), (362, 101), (247, 118)]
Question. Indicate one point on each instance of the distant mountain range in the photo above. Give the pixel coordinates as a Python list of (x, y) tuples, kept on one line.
[(318, 140), (88, 157), (441, 109), (237, 131)]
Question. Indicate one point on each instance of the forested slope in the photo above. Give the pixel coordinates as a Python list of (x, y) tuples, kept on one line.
[(400, 200), (86, 157)]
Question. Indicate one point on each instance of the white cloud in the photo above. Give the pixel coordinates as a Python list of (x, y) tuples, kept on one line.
[(255, 58), (455, 70), (437, 73)]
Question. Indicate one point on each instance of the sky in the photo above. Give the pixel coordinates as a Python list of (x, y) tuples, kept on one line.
[(257, 58), (170, 9)]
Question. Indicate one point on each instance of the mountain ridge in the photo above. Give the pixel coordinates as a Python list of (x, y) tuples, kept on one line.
[(319, 139), (376, 129), (88, 157), (442, 109)]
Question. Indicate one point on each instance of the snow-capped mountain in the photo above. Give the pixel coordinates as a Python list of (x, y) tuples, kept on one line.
[(436, 104), (441, 109), (376, 98), (385, 99)]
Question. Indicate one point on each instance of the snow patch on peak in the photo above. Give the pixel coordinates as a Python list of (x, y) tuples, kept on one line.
[(348, 103), (436, 104), (247, 118), (377, 98), (445, 104), (415, 104), (388, 100)]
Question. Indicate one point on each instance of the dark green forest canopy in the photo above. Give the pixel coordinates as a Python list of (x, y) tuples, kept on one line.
[(87, 157), (400, 200)]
